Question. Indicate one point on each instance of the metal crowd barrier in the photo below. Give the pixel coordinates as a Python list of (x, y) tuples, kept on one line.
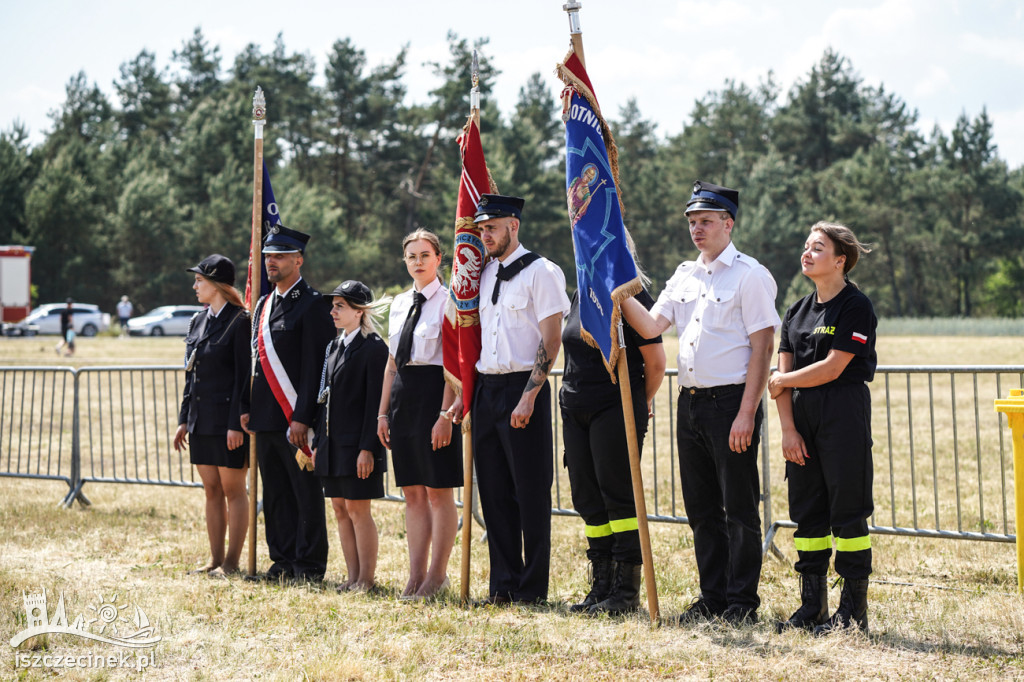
[(943, 461), (39, 424)]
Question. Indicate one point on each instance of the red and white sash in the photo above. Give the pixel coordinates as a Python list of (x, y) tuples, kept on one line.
[(277, 376)]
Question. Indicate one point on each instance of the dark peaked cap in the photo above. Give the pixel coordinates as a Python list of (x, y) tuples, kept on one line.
[(281, 239), (708, 197), (498, 206)]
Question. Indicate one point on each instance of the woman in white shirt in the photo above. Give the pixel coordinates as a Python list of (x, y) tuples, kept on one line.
[(415, 418)]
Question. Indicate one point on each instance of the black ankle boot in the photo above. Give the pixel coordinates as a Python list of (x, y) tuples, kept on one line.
[(852, 611), (625, 595), (813, 609), (602, 571)]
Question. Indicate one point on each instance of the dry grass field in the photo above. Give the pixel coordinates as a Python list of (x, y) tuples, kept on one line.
[(939, 609)]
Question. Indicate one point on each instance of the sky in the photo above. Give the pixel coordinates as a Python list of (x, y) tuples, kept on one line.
[(944, 58)]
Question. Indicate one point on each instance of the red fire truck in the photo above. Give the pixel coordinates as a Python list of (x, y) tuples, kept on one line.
[(15, 282)]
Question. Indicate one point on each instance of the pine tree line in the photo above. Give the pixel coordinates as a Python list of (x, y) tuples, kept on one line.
[(122, 196)]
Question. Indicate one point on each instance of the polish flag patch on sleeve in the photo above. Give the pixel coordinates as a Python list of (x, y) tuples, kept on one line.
[(857, 336)]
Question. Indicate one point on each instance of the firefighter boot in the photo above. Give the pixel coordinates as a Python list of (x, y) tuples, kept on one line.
[(852, 611), (625, 594), (601, 575), (813, 609)]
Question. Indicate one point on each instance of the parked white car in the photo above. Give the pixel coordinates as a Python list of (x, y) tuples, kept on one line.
[(165, 320), (86, 319)]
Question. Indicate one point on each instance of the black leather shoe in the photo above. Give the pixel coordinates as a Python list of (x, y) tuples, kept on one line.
[(740, 615), (602, 573), (494, 600), (698, 611)]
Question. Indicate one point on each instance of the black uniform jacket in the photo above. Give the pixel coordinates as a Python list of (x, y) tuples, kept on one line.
[(351, 426), (219, 373), (301, 327)]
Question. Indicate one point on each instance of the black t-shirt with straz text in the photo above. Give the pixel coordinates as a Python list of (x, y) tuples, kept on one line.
[(846, 323), (586, 383)]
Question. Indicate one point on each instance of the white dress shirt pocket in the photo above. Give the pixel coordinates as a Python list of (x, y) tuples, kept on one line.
[(429, 330), (512, 307), (720, 308), (685, 299)]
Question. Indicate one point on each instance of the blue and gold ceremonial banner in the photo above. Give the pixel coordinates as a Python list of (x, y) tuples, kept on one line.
[(606, 273), (270, 218)]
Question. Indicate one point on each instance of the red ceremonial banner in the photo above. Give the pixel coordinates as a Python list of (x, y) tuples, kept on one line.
[(461, 333)]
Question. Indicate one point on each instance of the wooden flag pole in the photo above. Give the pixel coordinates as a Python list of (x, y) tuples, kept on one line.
[(639, 500), (572, 8), (467, 433), (259, 114)]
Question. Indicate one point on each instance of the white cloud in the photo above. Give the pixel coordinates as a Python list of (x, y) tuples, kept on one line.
[(1010, 140), (935, 82), (706, 15), (1007, 50), (888, 18)]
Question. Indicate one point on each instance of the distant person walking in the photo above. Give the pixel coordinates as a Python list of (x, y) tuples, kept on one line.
[(124, 312), (67, 332)]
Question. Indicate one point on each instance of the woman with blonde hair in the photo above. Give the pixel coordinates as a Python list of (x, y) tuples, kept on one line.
[(216, 375), (347, 456), (415, 418)]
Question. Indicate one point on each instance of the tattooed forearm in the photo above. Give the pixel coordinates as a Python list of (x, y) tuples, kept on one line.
[(541, 366)]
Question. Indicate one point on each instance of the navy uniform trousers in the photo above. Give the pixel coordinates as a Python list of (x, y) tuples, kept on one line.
[(597, 458), (721, 494), (293, 510), (514, 471), (830, 496)]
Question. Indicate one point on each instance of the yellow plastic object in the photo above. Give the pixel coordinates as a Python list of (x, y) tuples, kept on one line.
[(1013, 408)]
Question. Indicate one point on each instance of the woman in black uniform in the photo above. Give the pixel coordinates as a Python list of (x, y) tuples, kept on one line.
[(346, 453), (597, 457), (415, 421), (216, 373), (826, 357)]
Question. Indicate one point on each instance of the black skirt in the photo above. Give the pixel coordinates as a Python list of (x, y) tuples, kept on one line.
[(213, 451), (353, 487), (415, 404)]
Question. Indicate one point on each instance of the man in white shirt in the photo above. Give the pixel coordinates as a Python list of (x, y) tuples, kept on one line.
[(522, 302), (723, 308), (124, 312)]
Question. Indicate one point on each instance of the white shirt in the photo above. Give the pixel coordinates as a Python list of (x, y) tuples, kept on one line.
[(510, 330), (124, 309), (282, 294), (715, 308), (426, 337), (346, 339)]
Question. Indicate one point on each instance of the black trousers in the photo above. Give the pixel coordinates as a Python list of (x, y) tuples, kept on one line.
[(830, 496), (597, 457), (514, 471), (721, 493), (293, 509)]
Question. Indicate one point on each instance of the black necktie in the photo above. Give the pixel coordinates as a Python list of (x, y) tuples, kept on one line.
[(343, 356), (505, 273), (404, 352), (497, 283)]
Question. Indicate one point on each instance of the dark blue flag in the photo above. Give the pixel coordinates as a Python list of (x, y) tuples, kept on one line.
[(606, 273), (269, 218)]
